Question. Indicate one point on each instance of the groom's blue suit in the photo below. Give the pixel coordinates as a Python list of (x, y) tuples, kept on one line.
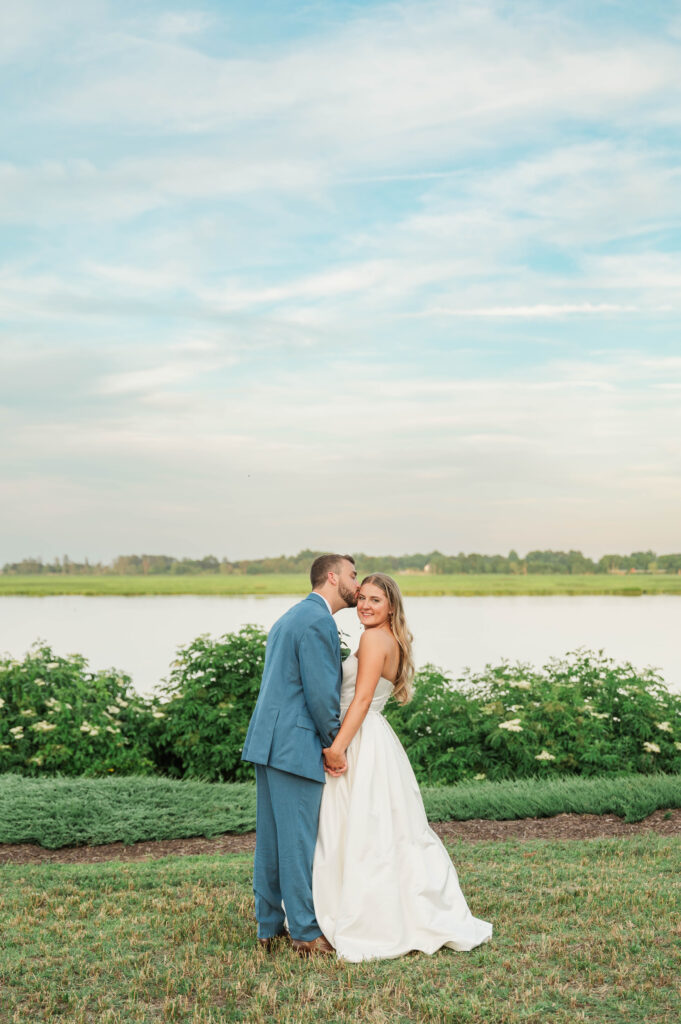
[(296, 714)]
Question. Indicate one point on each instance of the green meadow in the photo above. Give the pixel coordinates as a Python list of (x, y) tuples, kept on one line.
[(584, 931), (461, 585)]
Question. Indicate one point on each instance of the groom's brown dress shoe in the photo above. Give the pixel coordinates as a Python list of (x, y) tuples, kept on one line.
[(315, 947), (268, 944)]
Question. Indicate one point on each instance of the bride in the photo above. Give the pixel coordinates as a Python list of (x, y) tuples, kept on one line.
[(383, 882)]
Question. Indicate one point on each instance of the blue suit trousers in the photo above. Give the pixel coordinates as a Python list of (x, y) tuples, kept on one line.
[(287, 818)]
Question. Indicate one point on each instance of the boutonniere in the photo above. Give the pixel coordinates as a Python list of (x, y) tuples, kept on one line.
[(344, 649)]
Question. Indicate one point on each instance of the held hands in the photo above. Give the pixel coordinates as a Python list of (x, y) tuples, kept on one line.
[(335, 762)]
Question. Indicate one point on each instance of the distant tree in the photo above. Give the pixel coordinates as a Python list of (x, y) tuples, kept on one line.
[(643, 560), (515, 563)]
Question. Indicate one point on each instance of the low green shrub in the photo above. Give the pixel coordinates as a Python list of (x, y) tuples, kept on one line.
[(58, 716), (56, 812), (583, 714), (632, 797)]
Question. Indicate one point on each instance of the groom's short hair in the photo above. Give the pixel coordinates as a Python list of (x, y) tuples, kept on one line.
[(323, 565)]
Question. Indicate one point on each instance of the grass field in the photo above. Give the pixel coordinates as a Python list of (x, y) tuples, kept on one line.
[(70, 812), (463, 585), (584, 931)]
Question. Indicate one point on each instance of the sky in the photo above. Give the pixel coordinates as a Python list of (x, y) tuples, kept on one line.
[(381, 277)]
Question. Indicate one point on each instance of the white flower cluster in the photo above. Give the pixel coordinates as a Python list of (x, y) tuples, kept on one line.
[(652, 748), (91, 730), (113, 709), (43, 726), (664, 726), (596, 714), (53, 704), (2, 703), (544, 756), (18, 732), (513, 725), (520, 684)]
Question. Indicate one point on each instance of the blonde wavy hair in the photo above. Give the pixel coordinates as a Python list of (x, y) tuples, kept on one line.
[(403, 685)]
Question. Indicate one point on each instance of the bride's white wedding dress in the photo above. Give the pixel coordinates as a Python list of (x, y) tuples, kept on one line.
[(383, 882)]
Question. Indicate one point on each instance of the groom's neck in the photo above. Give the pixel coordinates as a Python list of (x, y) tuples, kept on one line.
[(331, 596)]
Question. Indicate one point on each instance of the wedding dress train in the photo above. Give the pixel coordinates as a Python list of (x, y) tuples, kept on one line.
[(383, 882)]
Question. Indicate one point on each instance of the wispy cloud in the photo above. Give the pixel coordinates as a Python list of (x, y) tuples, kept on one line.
[(540, 311), (177, 24), (425, 253), (411, 439), (426, 68)]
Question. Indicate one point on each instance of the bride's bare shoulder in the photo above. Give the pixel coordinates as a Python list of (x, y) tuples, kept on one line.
[(373, 641)]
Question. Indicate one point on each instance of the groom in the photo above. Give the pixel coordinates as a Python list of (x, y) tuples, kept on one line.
[(296, 715)]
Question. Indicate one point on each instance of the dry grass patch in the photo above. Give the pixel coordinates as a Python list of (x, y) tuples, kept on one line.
[(583, 931)]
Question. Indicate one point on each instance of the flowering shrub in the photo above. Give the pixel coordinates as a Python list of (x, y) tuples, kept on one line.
[(57, 716), (579, 715), (583, 714), (211, 694)]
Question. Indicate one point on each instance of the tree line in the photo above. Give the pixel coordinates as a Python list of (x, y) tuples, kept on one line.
[(537, 562)]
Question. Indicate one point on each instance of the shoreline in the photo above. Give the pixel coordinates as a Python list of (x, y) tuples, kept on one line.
[(283, 585)]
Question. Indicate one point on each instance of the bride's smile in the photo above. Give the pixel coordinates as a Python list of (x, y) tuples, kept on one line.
[(373, 607)]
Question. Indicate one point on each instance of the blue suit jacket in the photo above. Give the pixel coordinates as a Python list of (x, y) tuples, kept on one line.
[(298, 707)]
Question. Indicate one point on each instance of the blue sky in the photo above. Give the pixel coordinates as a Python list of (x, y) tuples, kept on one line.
[(381, 277)]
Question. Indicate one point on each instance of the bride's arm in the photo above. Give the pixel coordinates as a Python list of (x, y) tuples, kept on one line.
[(370, 663)]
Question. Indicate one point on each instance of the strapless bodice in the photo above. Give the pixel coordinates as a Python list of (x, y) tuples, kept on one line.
[(382, 692)]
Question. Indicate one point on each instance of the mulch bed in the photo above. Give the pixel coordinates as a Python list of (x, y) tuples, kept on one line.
[(562, 826)]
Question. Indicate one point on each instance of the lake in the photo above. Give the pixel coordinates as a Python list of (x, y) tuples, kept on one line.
[(139, 635)]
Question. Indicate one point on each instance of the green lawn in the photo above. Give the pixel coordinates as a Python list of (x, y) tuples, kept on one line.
[(460, 585), (584, 931)]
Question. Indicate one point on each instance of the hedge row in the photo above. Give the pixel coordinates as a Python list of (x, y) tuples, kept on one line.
[(56, 812), (582, 714)]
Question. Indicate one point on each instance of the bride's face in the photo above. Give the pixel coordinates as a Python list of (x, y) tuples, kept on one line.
[(373, 607)]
